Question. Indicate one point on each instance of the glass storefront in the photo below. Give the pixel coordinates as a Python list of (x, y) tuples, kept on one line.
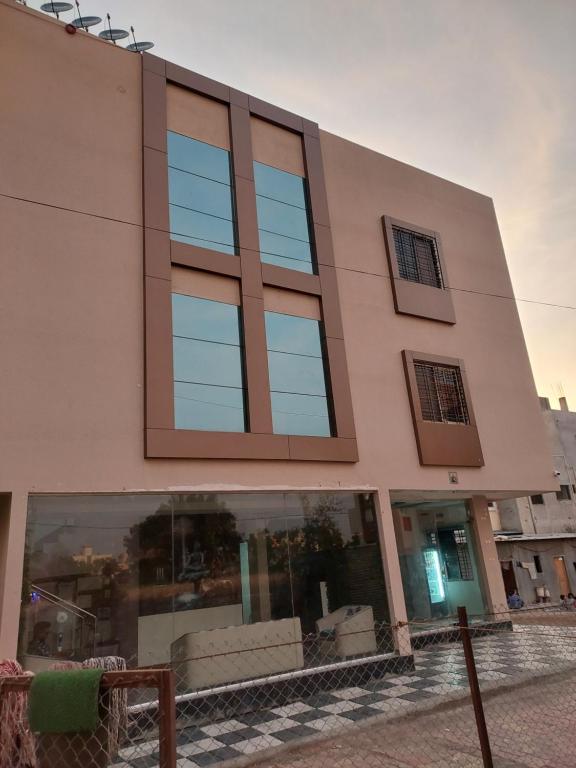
[(128, 575), (438, 561)]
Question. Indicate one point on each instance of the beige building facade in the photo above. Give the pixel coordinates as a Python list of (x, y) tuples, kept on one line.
[(247, 365)]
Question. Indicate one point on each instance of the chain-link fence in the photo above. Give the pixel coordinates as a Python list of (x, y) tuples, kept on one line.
[(498, 692), (128, 732)]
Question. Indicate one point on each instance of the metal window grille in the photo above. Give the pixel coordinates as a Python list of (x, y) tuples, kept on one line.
[(564, 493), (441, 393), (463, 554), (417, 257)]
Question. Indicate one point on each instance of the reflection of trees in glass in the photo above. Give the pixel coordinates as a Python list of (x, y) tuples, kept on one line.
[(299, 558)]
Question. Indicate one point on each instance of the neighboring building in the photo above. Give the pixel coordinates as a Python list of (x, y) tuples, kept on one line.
[(233, 363), (536, 535)]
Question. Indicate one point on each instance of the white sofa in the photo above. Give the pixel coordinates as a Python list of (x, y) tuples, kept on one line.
[(219, 656), (349, 631)]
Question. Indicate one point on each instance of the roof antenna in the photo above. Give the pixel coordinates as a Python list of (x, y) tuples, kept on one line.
[(112, 34), (83, 22), (138, 47), (56, 8)]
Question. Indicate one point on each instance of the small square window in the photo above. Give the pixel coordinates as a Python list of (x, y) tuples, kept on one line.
[(441, 393), (417, 257), (537, 499), (564, 493)]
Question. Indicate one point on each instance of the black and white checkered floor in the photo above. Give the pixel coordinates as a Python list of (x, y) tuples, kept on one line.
[(439, 671)]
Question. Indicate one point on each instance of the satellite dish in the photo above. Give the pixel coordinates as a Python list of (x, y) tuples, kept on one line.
[(113, 34), (56, 8), (139, 47), (83, 22)]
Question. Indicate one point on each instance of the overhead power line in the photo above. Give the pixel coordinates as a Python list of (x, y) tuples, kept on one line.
[(254, 250)]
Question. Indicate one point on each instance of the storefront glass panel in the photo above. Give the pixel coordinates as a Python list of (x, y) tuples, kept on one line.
[(128, 575)]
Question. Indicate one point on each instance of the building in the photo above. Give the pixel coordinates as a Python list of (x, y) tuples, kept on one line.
[(251, 361), (536, 535)]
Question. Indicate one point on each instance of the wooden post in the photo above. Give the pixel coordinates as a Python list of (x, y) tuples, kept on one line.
[(167, 718), (475, 688)]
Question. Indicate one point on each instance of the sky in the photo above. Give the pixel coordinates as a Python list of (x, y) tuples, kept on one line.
[(481, 93)]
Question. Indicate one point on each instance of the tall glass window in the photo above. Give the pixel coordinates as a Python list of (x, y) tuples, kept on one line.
[(130, 574), (200, 194), (297, 376), (283, 221), (208, 378)]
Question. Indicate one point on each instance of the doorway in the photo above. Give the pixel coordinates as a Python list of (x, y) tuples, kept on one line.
[(508, 576), (562, 575)]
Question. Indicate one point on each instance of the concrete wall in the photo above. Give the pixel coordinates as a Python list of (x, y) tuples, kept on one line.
[(71, 413), (547, 550)]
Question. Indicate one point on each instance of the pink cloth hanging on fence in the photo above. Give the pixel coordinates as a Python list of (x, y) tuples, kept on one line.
[(17, 744)]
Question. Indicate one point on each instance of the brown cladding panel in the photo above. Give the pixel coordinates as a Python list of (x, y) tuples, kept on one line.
[(192, 444), (151, 63), (449, 445), (239, 98), (159, 372), (155, 174), (330, 304), (310, 128), (247, 221), (156, 253), (241, 142), (412, 298), (323, 245), (275, 114), (291, 279), (187, 255), (340, 388), (154, 104), (439, 443), (256, 365), (316, 185), (251, 274), (322, 449), (198, 83)]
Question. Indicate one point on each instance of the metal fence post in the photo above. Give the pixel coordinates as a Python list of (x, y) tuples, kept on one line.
[(167, 718), (475, 688)]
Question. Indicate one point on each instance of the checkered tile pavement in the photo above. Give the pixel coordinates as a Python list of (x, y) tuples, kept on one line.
[(439, 671)]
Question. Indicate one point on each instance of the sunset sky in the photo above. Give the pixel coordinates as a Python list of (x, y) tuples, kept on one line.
[(481, 93)]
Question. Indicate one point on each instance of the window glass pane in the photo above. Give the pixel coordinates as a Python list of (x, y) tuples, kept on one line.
[(296, 374), (287, 333), (417, 257), (206, 362), (197, 406), (198, 157), (203, 319), (282, 219), (129, 575), (280, 185), (285, 252), (199, 194), (200, 229), (300, 415)]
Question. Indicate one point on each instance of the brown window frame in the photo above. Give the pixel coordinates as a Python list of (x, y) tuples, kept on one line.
[(162, 440), (414, 298), (439, 443)]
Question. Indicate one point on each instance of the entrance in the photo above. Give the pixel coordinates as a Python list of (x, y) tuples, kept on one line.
[(562, 575), (508, 576)]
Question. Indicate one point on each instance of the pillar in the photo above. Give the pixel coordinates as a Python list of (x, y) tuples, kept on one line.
[(488, 562), (393, 575), (13, 511)]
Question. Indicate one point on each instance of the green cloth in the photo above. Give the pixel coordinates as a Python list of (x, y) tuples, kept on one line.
[(65, 701)]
